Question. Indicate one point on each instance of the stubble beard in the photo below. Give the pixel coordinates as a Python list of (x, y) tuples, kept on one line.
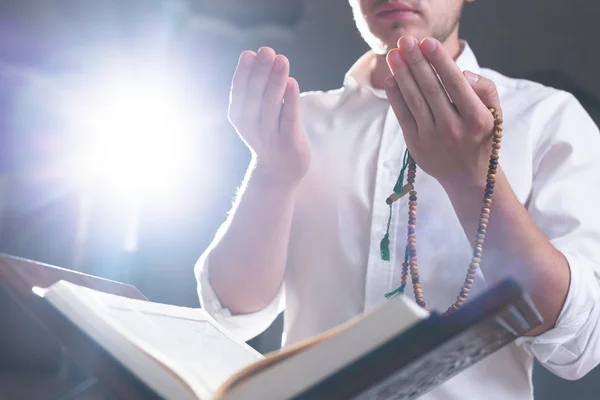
[(441, 31)]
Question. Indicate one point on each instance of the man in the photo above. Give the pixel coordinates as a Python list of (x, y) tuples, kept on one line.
[(305, 232)]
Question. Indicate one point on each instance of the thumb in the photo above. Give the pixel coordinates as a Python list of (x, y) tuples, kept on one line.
[(485, 89)]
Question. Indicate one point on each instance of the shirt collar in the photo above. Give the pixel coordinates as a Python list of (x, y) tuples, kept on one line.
[(359, 75)]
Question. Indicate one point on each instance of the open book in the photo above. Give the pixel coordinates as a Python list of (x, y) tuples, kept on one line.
[(396, 351)]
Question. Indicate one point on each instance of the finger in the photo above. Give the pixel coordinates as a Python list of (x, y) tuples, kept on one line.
[(485, 89), (410, 90), (427, 79), (466, 101), (273, 96), (257, 84), (290, 111), (399, 106), (239, 84)]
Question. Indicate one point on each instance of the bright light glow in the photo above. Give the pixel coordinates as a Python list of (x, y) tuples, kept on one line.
[(133, 130)]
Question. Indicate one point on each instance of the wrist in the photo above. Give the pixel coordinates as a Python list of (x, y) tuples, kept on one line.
[(471, 188), (270, 181), (462, 185)]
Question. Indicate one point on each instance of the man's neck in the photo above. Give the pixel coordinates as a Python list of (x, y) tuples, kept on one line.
[(381, 69)]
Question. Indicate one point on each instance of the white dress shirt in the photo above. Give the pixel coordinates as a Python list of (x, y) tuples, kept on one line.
[(550, 154)]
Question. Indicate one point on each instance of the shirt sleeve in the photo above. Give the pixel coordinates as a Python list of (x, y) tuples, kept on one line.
[(564, 205), (244, 326)]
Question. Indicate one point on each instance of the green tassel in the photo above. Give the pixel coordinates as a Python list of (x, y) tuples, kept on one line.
[(385, 242), (385, 247), (400, 181), (397, 292)]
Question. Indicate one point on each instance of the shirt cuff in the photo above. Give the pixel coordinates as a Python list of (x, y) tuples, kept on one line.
[(568, 348), (244, 326)]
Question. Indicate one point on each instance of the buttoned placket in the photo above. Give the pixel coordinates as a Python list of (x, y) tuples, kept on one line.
[(383, 275)]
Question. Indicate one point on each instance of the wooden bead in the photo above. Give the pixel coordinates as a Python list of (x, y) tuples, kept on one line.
[(412, 266)]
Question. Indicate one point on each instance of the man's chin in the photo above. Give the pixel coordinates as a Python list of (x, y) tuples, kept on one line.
[(394, 37)]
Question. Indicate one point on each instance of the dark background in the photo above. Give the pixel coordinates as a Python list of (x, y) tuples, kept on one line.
[(42, 212)]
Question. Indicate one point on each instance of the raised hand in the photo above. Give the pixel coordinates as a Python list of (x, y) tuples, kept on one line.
[(447, 128), (264, 109)]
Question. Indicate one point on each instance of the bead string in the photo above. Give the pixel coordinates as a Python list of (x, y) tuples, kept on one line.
[(410, 263)]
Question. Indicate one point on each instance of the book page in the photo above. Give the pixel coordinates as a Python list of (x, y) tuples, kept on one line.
[(291, 371), (187, 340), (195, 345)]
